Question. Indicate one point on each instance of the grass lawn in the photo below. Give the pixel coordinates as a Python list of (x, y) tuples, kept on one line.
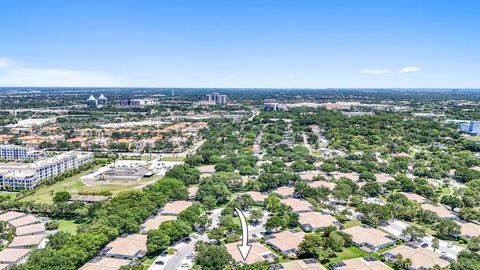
[(148, 261), (472, 138), (75, 185), (350, 253), (171, 158), (351, 223), (67, 226), (445, 191)]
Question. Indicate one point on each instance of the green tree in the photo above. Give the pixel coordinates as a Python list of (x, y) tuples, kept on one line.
[(189, 175), (171, 187), (474, 244), (157, 241), (212, 257), (255, 215), (373, 189), (447, 229), (413, 233), (61, 196)]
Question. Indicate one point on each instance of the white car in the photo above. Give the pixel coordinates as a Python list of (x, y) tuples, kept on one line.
[(185, 265)]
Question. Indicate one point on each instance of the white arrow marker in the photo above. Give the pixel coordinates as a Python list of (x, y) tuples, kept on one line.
[(244, 248)]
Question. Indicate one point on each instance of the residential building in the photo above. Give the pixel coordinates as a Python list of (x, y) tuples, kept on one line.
[(192, 192), (440, 210), (309, 175), (23, 221), (298, 205), (367, 263), (105, 264), (34, 229), (284, 192), (206, 170), (174, 208), (258, 197), (383, 178), (305, 264), (12, 256), (351, 176), (258, 253), (469, 229), (286, 242), (11, 215), (414, 197), (369, 238), (325, 184), (421, 258), (133, 246), (314, 221), (16, 176), (27, 241), (154, 222), (12, 152)]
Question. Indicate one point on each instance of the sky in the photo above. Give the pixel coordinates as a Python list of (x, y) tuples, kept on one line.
[(240, 43)]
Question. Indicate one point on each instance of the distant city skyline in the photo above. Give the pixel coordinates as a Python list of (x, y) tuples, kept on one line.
[(240, 44)]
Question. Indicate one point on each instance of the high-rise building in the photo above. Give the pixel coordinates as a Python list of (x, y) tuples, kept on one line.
[(102, 101), (217, 98), (472, 128), (271, 105), (130, 103), (92, 102)]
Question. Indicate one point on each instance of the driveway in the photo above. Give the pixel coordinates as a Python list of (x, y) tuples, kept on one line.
[(396, 227), (184, 249), (260, 228)]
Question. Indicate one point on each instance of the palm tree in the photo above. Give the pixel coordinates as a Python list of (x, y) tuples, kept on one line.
[(435, 244)]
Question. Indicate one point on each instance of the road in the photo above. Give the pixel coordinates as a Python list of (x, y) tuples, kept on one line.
[(260, 228), (306, 144), (184, 249), (396, 227)]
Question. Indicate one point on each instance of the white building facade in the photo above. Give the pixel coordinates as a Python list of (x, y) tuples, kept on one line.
[(15, 176), (12, 152)]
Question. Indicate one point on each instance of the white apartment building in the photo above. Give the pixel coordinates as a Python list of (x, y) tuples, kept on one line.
[(12, 152), (27, 175)]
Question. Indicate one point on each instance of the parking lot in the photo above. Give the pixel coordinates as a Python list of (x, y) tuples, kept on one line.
[(448, 249)]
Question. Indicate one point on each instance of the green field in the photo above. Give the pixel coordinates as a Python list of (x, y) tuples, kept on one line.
[(170, 158), (75, 185), (67, 226)]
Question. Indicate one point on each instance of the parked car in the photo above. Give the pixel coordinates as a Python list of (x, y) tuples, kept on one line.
[(160, 262)]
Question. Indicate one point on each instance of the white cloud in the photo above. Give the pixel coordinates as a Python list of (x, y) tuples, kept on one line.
[(13, 74), (5, 62), (409, 70), (289, 75), (376, 71)]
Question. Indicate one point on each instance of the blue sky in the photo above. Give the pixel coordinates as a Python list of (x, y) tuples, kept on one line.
[(240, 43)]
